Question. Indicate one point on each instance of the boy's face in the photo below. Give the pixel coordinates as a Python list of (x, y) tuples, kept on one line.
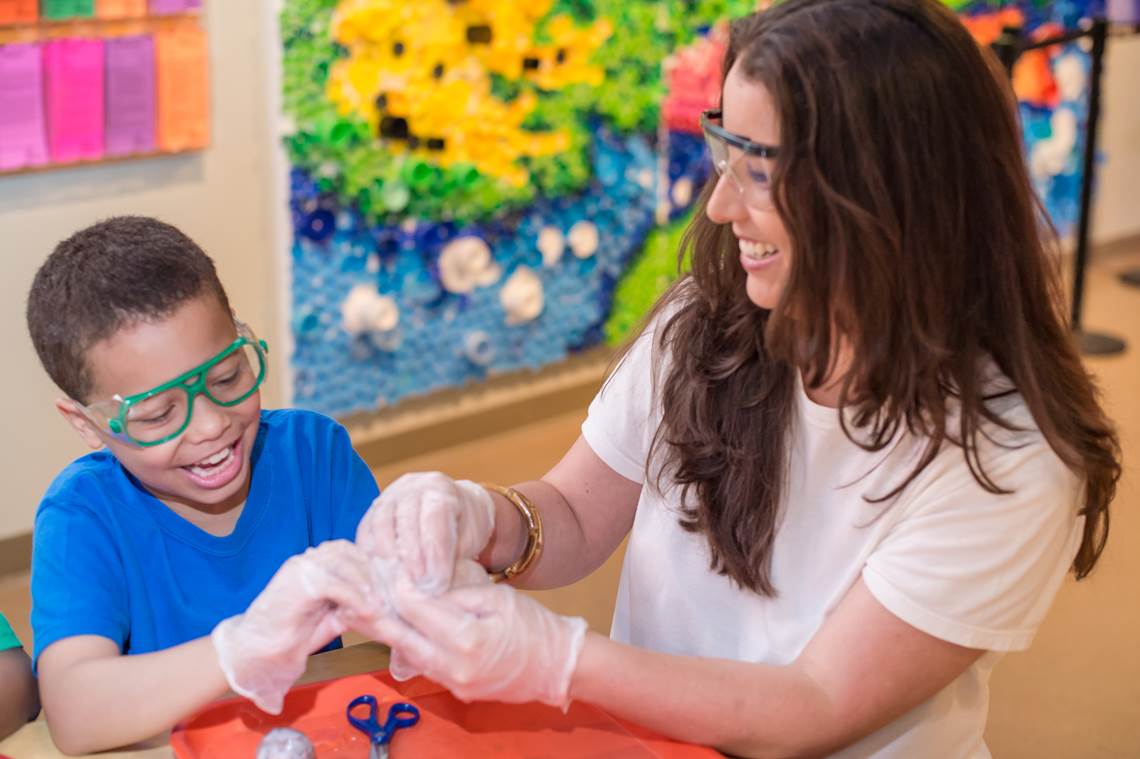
[(207, 467)]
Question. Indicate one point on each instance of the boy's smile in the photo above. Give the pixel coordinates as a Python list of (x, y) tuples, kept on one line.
[(205, 469), (217, 470)]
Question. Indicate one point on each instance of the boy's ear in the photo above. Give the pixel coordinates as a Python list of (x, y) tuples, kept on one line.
[(69, 410)]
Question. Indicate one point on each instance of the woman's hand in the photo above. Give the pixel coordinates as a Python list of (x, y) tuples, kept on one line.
[(428, 522), (387, 578), (488, 642)]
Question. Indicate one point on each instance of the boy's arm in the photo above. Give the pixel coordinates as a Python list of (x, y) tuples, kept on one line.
[(95, 698), (19, 699)]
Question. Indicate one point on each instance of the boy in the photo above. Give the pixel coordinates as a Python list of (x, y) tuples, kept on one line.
[(19, 700), (193, 500)]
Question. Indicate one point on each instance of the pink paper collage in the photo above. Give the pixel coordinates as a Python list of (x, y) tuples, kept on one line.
[(73, 69), (23, 137), (167, 7), (130, 97), (68, 99)]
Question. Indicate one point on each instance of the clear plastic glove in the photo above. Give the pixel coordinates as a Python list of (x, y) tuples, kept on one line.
[(313, 597), (428, 521), (487, 642), (386, 576)]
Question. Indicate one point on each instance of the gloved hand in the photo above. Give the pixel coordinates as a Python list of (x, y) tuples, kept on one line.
[(313, 597), (387, 575), (487, 642), (428, 521)]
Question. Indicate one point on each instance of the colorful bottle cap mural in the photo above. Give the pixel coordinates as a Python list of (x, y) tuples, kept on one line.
[(490, 186)]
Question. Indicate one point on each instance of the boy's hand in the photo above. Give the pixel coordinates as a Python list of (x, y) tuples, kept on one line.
[(487, 642), (314, 597), (428, 521)]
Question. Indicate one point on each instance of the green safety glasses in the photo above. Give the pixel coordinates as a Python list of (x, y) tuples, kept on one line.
[(163, 413)]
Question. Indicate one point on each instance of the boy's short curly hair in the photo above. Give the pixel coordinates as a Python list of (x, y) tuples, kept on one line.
[(112, 274)]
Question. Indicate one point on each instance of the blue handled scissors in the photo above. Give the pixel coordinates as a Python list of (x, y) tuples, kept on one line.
[(400, 715)]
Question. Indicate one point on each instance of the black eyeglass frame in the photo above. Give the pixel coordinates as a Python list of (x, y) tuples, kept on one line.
[(744, 144)]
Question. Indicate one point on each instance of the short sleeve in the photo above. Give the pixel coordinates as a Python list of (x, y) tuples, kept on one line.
[(340, 485), (354, 486), (78, 586), (621, 421), (975, 568), (8, 639)]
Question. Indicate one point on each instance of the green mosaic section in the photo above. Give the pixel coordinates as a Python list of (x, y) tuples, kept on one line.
[(345, 158), (646, 279)]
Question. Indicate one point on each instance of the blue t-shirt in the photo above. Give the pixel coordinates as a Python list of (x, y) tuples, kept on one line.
[(110, 559)]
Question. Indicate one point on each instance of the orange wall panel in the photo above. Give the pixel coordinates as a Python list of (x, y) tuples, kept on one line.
[(183, 87), (19, 11), (120, 8)]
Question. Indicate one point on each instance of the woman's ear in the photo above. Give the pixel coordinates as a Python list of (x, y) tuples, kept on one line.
[(70, 411)]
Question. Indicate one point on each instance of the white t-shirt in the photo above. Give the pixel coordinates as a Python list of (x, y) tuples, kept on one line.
[(947, 557)]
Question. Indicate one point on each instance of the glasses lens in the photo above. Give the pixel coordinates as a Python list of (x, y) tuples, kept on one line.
[(157, 417), (721, 160), (718, 152), (236, 376), (103, 412), (750, 175)]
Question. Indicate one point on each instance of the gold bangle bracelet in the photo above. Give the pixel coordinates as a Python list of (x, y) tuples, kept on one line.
[(533, 547)]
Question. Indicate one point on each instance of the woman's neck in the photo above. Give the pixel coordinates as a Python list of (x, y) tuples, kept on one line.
[(827, 394)]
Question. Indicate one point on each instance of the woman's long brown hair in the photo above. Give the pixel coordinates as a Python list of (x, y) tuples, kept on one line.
[(916, 237)]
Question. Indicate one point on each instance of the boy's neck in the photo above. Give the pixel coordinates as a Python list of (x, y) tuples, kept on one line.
[(217, 519), (216, 523)]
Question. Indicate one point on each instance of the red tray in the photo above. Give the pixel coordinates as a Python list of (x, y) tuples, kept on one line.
[(447, 727)]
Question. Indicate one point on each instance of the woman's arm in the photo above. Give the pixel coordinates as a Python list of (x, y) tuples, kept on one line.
[(96, 698), (586, 509), (864, 668), (19, 697)]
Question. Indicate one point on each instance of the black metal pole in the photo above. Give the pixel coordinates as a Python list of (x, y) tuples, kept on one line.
[(1091, 343), (1008, 47), (1087, 165)]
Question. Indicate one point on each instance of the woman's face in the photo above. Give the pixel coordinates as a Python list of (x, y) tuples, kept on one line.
[(743, 199)]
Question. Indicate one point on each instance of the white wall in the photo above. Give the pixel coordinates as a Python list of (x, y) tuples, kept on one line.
[(223, 198), (230, 199)]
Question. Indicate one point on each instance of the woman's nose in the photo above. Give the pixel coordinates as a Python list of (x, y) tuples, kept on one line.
[(725, 203)]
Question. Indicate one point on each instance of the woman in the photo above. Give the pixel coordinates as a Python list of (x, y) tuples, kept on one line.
[(855, 450)]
